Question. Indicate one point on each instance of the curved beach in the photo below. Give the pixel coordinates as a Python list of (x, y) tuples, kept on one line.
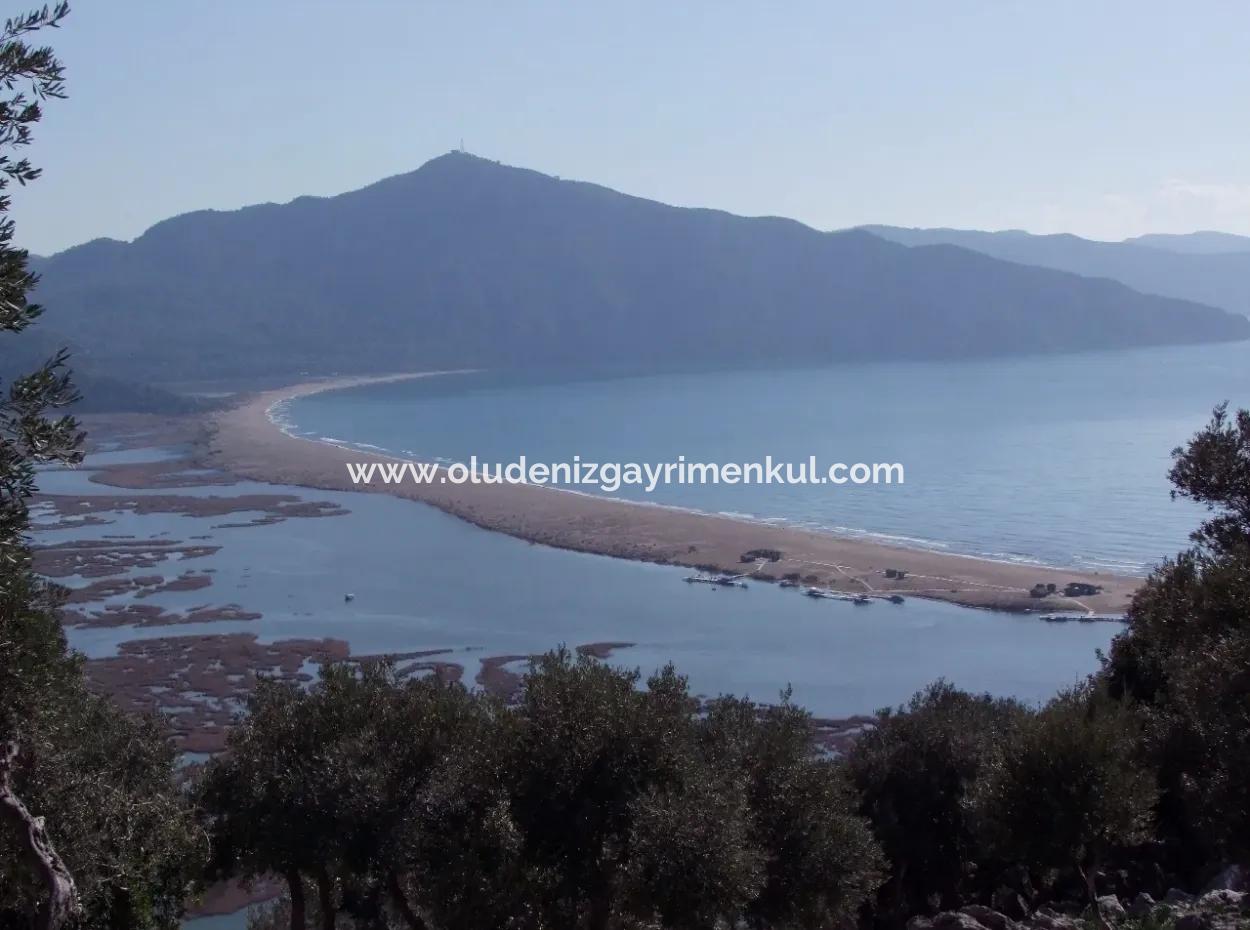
[(245, 440)]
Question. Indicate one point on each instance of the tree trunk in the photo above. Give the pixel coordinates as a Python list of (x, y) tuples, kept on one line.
[(1088, 873), (411, 917), (32, 839), (295, 886), (325, 899)]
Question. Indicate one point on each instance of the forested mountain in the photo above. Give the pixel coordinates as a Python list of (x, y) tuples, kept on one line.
[(98, 392), (466, 262), (1210, 268)]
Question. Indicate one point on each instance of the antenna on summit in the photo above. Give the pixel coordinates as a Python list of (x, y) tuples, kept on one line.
[(462, 143)]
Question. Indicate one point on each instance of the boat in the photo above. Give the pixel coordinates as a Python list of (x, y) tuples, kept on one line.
[(838, 596), (720, 582)]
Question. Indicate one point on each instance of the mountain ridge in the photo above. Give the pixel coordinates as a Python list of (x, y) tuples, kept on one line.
[(1199, 242), (1216, 278), (468, 263)]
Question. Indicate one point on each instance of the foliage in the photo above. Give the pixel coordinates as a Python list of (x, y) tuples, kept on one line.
[(1069, 787), (1185, 658), (104, 781), (594, 803), (361, 785), (821, 861), (916, 772), (621, 815), (1214, 469)]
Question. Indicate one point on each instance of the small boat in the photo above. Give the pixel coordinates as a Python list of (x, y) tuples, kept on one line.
[(718, 582), (895, 598), (1084, 618), (838, 596), (348, 597)]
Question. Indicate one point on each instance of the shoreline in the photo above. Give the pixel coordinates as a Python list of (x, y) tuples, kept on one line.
[(246, 440)]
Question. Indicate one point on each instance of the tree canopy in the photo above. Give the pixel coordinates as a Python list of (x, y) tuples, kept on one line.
[(594, 803)]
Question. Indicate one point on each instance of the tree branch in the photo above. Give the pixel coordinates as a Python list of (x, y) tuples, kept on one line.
[(62, 896)]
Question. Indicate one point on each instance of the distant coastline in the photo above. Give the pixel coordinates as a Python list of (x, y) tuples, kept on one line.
[(247, 440)]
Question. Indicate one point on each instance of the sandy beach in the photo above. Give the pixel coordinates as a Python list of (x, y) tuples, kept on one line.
[(247, 442)]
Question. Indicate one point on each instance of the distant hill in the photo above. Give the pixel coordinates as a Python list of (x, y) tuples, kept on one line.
[(466, 262), (1201, 266), (22, 354), (1195, 243)]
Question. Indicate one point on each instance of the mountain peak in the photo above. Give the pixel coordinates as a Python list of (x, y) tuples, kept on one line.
[(467, 263), (449, 170), (458, 159)]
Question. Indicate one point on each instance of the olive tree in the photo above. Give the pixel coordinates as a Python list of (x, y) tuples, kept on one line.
[(1184, 659), (916, 771), (1070, 787)]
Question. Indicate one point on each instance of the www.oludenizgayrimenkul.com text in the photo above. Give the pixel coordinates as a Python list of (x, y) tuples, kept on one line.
[(612, 476)]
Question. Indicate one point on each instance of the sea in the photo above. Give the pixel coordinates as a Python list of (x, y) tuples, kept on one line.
[(1053, 460)]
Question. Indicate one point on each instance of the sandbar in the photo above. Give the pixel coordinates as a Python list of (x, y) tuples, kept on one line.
[(245, 440)]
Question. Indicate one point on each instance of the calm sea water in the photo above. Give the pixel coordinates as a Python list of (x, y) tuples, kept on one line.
[(1057, 460)]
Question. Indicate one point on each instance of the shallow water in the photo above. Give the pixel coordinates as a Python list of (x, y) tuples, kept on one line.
[(424, 580)]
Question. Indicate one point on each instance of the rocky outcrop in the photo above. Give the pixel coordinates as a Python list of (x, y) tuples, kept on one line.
[(1215, 909), (1231, 878)]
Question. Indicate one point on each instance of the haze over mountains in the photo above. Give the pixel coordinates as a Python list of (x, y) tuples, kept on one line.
[(466, 262), (1210, 268), (1205, 242)]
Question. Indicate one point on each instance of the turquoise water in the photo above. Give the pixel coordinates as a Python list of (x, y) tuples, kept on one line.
[(1057, 460)]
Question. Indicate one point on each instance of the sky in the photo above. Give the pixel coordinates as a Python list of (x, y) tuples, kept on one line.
[(1103, 118)]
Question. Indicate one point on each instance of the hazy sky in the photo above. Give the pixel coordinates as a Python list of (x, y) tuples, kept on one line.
[(1103, 118)]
